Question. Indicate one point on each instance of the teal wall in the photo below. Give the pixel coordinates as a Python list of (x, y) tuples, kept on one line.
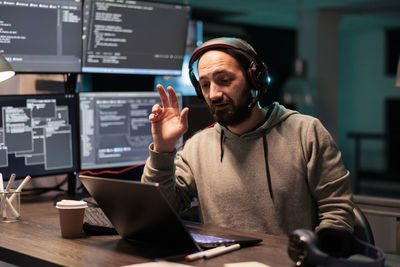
[(363, 85)]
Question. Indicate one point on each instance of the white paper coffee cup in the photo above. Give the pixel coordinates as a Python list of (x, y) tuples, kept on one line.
[(71, 217)]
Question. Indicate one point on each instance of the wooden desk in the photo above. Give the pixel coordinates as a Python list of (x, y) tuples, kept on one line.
[(36, 241)]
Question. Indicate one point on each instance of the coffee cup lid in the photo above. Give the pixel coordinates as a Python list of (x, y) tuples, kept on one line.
[(71, 204)]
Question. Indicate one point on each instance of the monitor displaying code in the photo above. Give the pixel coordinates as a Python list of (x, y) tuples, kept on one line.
[(115, 130), (134, 37), (42, 35), (38, 135)]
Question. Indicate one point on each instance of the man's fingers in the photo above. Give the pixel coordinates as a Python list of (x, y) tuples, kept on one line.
[(167, 103), (184, 115), (155, 111), (163, 96), (172, 97), (152, 117)]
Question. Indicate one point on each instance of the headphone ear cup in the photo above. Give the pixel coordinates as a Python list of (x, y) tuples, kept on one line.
[(253, 75), (258, 75), (303, 248), (195, 84), (258, 78), (331, 247)]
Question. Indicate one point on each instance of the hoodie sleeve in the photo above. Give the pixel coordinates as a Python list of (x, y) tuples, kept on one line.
[(328, 180), (160, 168)]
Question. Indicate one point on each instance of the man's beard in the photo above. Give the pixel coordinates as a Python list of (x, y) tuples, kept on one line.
[(233, 114)]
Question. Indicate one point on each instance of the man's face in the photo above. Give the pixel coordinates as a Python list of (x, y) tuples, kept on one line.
[(224, 87)]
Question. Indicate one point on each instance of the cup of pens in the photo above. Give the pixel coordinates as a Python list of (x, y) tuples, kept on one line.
[(10, 200), (10, 206)]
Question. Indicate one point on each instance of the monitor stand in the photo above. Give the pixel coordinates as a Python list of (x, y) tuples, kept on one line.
[(72, 183), (72, 189)]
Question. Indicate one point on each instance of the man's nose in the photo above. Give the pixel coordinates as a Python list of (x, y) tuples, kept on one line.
[(215, 91)]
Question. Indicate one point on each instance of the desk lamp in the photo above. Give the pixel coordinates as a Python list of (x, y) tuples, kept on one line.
[(6, 71)]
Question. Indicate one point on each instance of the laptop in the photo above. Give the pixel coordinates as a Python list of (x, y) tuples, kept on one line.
[(140, 212)]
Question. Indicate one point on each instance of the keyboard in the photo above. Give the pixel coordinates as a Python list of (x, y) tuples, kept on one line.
[(210, 239), (95, 222)]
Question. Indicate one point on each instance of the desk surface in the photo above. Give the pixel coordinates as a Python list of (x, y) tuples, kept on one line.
[(36, 240)]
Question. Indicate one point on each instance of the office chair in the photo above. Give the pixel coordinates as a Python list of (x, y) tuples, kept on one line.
[(362, 228)]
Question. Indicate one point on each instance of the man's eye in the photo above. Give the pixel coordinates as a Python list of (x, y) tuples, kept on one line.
[(204, 85), (225, 81)]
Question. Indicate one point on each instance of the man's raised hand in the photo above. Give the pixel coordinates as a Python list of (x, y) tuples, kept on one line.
[(168, 124)]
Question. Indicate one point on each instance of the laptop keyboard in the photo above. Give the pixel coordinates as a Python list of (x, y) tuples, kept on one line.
[(95, 222), (95, 216), (209, 241)]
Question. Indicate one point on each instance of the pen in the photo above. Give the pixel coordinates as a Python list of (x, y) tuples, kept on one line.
[(2, 207), (1, 183), (4, 199), (212, 252), (19, 189), (7, 190), (10, 182)]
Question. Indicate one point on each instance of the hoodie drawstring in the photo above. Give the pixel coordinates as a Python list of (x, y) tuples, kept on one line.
[(221, 141), (265, 144)]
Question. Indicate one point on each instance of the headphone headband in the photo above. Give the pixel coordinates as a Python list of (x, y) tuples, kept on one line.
[(225, 42), (257, 73)]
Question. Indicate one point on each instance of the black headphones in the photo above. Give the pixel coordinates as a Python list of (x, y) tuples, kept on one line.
[(304, 250), (257, 72)]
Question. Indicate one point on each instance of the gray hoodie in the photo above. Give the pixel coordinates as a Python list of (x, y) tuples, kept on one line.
[(284, 175)]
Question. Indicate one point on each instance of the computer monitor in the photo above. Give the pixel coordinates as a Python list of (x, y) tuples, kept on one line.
[(182, 83), (134, 37), (115, 130), (38, 135), (41, 35)]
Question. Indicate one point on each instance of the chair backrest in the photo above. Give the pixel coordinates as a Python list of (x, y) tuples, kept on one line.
[(362, 228)]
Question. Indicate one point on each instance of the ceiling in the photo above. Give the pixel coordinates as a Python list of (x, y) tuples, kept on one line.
[(282, 13)]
